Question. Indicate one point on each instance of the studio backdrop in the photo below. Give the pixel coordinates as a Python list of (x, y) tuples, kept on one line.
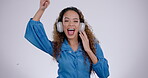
[(121, 26)]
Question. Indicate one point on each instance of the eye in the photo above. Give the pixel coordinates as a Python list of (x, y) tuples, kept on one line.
[(75, 21), (66, 21)]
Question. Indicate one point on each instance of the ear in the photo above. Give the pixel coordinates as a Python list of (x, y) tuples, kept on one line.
[(59, 27), (82, 27)]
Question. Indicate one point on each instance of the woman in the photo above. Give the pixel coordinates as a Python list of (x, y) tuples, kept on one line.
[(74, 46)]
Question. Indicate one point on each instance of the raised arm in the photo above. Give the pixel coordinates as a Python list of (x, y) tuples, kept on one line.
[(35, 32), (100, 64), (43, 5)]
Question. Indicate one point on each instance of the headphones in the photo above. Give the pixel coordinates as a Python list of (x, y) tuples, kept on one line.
[(60, 27)]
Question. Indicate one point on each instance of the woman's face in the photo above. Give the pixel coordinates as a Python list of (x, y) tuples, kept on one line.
[(71, 24)]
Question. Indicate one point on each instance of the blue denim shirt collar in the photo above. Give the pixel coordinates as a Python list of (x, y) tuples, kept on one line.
[(65, 46)]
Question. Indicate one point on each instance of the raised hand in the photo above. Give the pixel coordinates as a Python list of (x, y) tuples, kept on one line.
[(85, 41), (44, 4)]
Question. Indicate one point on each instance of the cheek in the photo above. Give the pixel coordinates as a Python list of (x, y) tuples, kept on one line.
[(65, 23), (78, 26), (65, 28)]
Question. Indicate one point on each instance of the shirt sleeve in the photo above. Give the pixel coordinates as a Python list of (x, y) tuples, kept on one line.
[(36, 35), (101, 67)]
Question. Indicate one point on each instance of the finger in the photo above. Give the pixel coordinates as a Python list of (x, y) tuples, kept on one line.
[(84, 40), (47, 3), (85, 34), (81, 36), (44, 3)]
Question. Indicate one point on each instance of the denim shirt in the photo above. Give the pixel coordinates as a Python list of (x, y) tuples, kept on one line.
[(71, 63)]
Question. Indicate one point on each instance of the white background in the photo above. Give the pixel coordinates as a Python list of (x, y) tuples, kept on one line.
[(120, 25)]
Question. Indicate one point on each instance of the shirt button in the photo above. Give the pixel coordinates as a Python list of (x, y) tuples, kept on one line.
[(70, 51)]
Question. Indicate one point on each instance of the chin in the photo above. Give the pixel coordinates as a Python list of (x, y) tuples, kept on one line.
[(72, 36)]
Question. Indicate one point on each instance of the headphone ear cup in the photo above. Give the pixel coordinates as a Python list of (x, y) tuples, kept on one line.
[(82, 27), (59, 27)]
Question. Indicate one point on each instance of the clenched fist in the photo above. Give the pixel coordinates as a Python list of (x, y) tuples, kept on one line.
[(44, 4)]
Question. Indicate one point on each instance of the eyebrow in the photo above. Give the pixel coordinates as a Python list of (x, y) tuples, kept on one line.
[(73, 18)]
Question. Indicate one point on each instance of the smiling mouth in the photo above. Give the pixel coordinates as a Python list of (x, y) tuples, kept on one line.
[(71, 31)]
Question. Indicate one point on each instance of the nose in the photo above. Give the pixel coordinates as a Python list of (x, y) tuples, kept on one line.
[(71, 23)]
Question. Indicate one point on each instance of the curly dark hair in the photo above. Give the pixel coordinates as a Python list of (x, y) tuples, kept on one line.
[(58, 38)]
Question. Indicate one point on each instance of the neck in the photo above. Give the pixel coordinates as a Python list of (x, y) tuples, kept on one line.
[(73, 42)]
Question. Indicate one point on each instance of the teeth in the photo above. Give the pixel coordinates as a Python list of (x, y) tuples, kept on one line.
[(71, 29)]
